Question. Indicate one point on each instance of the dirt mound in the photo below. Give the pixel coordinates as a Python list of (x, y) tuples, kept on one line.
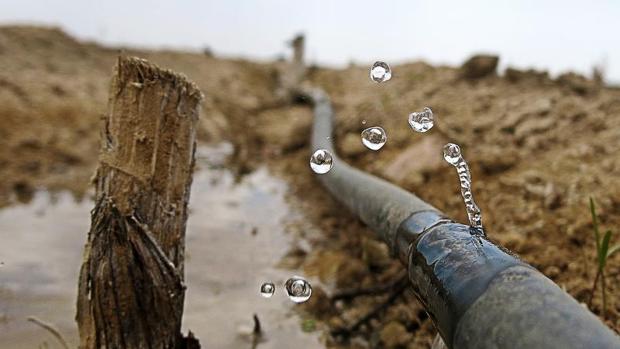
[(53, 92), (538, 148)]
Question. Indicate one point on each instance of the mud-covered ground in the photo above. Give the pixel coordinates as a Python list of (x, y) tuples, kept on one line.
[(538, 148)]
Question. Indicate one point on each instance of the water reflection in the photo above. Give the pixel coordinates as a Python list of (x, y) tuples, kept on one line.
[(235, 237)]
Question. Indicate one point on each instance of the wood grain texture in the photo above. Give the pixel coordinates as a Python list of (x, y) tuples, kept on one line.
[(131, 287)]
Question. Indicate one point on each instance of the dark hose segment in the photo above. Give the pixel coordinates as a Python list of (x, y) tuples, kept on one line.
[(478, 295), (449, 268), (522, 308), (379, 204)]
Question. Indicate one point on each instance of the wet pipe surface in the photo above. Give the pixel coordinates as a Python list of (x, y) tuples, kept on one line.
[(450, 265)]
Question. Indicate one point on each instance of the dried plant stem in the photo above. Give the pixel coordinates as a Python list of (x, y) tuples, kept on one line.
[(51, 329)]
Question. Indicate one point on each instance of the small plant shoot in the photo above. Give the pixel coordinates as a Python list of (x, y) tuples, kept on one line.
[(603, 252)]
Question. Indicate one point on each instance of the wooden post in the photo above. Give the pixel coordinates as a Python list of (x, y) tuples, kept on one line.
[(131, 291), (298, 67), (298, 44), (292, 74)]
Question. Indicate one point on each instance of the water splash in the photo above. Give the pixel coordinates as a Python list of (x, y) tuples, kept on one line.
[(321, 161), (298, 289), (267, 289), (374, 138), (380, 72), (422, 121), (452, 154)]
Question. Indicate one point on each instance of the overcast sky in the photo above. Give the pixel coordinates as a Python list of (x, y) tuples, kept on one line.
[(554, 35)]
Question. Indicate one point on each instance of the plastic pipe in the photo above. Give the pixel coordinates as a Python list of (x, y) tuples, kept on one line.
[(477, 294)]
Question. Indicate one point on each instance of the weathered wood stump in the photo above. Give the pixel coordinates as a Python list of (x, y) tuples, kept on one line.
[(131, 287)]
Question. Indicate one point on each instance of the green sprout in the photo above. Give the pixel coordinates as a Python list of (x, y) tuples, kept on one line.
[(603, 252), (308, 325)]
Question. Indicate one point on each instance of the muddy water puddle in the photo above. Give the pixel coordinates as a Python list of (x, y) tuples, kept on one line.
[(235, 237)]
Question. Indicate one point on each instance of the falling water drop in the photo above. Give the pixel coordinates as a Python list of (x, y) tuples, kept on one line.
[(321, 161), (374, 138), (363, 122), (422, 121), (298, 289), (452, 154), (267, 289), (380, 72)]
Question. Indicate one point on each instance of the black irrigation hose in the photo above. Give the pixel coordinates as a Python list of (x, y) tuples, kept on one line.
[(477, 294)]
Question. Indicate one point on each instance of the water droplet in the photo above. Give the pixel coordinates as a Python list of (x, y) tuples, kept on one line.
[(267, 289), (321, 161), (363, 122), (374, 138), (298, 289), (380, 72), (451, 153), (422, 121)]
